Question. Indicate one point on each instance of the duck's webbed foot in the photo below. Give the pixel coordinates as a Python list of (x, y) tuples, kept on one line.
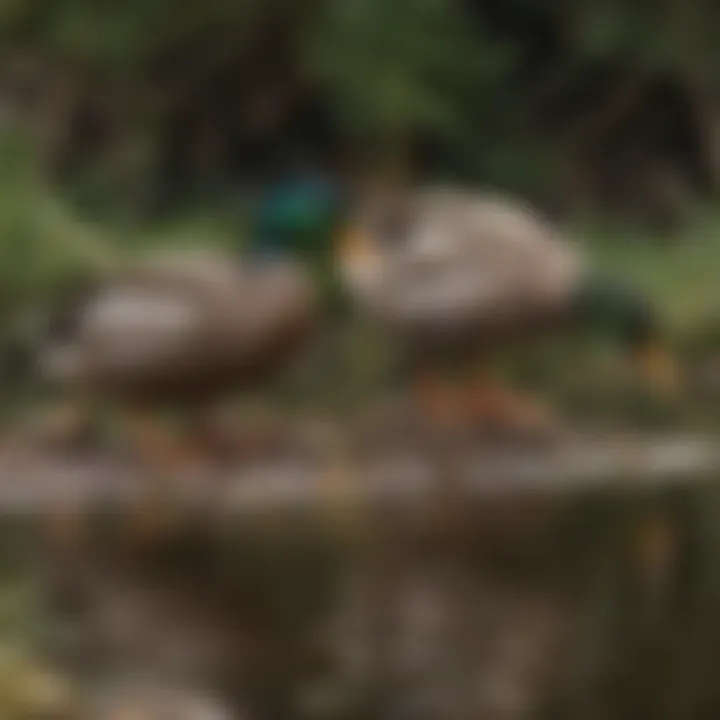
[(154, 445), (500, 412), (438, 401), (217, 438)]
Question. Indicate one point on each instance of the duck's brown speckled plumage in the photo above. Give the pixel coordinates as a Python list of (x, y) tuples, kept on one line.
[(186, 326), (454, 276), (455, 270)]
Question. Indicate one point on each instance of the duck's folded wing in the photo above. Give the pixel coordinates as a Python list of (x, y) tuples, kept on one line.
[(268, 301), (491, 262), (137, 329)]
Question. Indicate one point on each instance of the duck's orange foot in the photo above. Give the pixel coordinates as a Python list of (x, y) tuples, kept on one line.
[(160, 452), (438, 403), (500, 413)]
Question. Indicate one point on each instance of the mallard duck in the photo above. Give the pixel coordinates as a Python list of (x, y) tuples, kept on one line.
[(455, 275), (185, 327), (182, 328)]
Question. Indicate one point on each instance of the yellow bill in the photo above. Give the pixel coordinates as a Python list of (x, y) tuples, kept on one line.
[(357, 259)]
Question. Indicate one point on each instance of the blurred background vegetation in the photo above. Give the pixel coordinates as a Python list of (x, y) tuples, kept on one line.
[(600, 107)]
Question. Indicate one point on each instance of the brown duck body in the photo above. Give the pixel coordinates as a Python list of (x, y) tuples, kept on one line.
[(450, 272), (187, 327)]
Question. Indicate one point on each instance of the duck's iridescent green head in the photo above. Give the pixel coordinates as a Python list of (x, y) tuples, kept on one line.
[(297, 216), (608, 308), (615, 310)]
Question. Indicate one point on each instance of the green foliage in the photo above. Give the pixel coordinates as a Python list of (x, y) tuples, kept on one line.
[(394, 70), (40, 240), (159, 76), (676, 36), (122, 37)]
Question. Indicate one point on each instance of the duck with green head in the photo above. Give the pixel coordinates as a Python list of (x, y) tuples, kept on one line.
[(189, 326), (456, 275)]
